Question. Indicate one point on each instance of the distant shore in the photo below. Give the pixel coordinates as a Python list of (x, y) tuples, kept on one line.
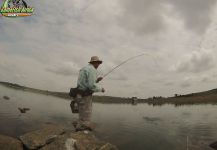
[(207, 97)]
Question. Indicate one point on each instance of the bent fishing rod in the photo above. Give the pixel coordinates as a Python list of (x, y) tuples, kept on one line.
[(131, 58)]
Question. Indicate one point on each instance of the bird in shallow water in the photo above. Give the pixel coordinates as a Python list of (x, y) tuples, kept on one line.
[(23, 110), (6, 97)]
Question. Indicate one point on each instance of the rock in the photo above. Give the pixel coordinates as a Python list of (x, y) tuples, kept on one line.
[(70, 144), (51, 138), (78, 141), (86, 141), (214, 145), (108, 146), (39, 138), (84, 126), (151, 119), (75, 123), (6, 97), (86, 131), (62, 142), (9, 143)]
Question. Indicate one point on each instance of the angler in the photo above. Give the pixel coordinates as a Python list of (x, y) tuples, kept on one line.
[(86, 86)]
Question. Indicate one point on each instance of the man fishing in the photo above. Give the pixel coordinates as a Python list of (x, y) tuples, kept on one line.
[(86, 86)]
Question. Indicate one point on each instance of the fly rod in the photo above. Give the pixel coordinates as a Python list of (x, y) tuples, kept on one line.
[(131, 58)]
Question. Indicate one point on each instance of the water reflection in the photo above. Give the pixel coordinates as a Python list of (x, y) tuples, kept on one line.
[(130, 127)]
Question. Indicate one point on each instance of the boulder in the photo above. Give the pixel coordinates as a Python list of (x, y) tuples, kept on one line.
[(214, 145), (84, 126), (53, 137), (62, 142), (9, 143), (84, 140), (39, 138)]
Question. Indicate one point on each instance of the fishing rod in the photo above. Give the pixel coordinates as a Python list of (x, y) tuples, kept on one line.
[(131, 58)]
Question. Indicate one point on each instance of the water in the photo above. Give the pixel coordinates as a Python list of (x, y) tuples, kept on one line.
[(140, 127)]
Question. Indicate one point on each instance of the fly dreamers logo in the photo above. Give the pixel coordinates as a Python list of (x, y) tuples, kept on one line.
[(16, 8)]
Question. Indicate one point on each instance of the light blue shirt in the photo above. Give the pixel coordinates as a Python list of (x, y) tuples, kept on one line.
[(87, 79)]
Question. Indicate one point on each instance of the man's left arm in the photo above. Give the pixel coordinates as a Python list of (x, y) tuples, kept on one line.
[(92, 82)]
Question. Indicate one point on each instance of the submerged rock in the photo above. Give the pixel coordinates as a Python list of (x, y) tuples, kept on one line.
[(108, 146), (39, 138), (6, 97), (151, 119), (214, 145), (9, 143)]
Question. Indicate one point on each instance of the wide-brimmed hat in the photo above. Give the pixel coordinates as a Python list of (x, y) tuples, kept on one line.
[(95, 59)]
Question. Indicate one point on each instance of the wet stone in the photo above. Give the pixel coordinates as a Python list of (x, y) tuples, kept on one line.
[(84, 126), (39, 138), (84, 140), (62, 142), (214, 145), (9, 143)]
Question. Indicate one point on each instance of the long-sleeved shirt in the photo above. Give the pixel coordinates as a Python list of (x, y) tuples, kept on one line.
[(87, 79)]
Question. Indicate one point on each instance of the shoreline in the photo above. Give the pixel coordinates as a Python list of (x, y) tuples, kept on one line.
[(207, 97)]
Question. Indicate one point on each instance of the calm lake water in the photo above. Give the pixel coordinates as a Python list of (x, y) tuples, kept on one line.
[(139, 127)]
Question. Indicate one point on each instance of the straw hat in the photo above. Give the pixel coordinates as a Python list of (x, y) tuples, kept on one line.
[(95, 59)]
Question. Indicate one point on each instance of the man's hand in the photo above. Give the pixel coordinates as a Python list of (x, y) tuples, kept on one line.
[(99, 79), (103, 90)]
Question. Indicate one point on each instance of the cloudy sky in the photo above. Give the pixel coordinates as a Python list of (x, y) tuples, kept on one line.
[(178, 37)]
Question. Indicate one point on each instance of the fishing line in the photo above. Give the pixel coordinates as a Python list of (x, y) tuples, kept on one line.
[(131, 58)]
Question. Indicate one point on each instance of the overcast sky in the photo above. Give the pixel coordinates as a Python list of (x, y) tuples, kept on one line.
[(178, 37)]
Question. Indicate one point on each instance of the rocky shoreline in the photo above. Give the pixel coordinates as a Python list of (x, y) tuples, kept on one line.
[(54, 137)]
